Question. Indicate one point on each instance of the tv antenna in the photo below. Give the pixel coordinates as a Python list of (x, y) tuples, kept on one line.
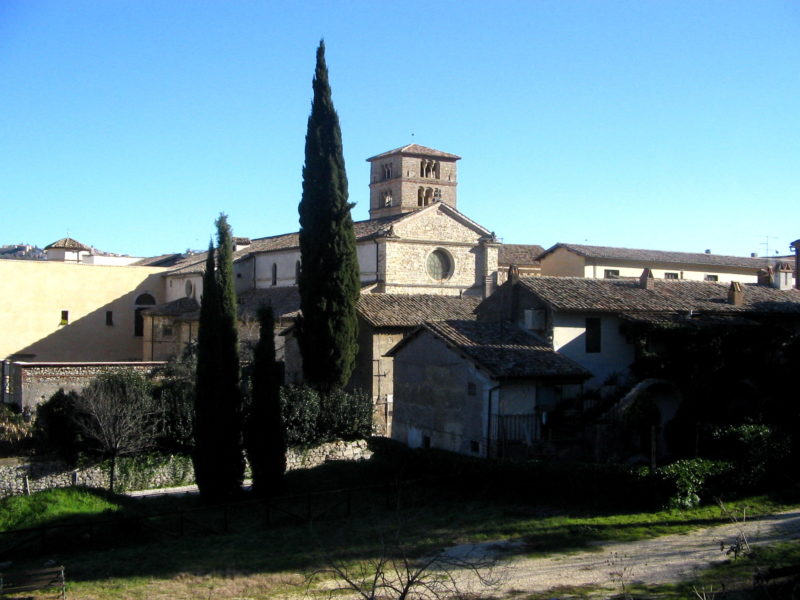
[(765, 243)]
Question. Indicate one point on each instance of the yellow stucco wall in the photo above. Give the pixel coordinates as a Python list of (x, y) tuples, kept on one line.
[(34, 294)]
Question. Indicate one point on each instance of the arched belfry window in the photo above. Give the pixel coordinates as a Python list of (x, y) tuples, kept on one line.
[(274, 273), (420, 196), (143, 302)]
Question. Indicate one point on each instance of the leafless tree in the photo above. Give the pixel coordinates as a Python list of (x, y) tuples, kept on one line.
[(396, 573), (116, 413)]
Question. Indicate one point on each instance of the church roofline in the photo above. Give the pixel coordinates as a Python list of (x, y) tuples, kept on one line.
[(415, 150)]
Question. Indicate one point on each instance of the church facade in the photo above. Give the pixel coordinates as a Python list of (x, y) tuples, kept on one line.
[(415, 248)]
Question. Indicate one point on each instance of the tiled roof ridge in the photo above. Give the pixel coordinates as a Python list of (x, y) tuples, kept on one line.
[(68, 243), (664, 295), (415, 149), (519, 353), (669, 256)]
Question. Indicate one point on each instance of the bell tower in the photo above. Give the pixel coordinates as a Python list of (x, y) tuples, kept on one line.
[(410, 178)]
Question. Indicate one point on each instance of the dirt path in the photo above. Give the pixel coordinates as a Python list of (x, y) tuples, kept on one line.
[(666, 559)]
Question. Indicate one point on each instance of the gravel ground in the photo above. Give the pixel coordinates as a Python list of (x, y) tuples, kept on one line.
[(666, 559)]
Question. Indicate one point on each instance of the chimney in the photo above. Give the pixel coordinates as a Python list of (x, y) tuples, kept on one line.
[(765, 276), (513, 273), (783, 276), (488, 286), (736, 294), (646, 279), (795, 245)]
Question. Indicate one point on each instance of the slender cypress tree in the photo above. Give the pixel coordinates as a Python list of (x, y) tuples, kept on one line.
[(329, 281), (204, 456), (219, 464), (264, 434)]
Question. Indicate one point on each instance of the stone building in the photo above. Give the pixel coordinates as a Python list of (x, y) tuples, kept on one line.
[(477, 387), (417, 252)]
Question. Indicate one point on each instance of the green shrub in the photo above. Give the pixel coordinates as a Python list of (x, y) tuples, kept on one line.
[(758, 453), (345, 415), (685, 483), (138, 472), (300, 408), (16, 430), (56, 430), (312, 418)]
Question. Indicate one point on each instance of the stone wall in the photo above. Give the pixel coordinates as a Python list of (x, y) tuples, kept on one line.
[(21, 476), (31, 383)]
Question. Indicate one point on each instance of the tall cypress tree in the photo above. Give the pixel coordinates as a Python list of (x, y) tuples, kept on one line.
[(264, 434), (204, 455), (329, 281), (219, 464)]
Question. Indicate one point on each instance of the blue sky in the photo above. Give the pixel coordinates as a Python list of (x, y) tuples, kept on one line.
[(675, 125)]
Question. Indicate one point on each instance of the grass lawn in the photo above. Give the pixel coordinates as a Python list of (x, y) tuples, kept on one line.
[(260, 560)]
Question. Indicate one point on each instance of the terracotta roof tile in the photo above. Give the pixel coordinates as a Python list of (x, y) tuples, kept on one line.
[(68, 243), (186, 308), (415, 150), (400, 310), (625, 295), (519, 254), (506, 351), (649, 256)]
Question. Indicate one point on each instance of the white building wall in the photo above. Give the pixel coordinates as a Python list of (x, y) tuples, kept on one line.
[(111, 261), (286, 262), (616, 353), (176, 287), (682, 271)]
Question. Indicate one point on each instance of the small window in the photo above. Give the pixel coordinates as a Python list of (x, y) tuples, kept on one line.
[(166, 330), (297, 272), (671, 276), (109, 318), (472, 389), (711, 278), (189, 288), (64, 317), (274, 274), (426, 441), (593, 340), (611, 274), (474, 447)]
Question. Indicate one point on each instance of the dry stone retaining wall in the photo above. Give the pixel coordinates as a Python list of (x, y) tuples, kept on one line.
[(21, 476)]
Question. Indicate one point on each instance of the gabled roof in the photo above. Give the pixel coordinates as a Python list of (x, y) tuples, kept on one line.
[(400, 310), (415, 150), (163, 260), (519, 254), (662, 256), (577, 294), (364, 231), (68, 243), (186, 308), (503, 350)]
